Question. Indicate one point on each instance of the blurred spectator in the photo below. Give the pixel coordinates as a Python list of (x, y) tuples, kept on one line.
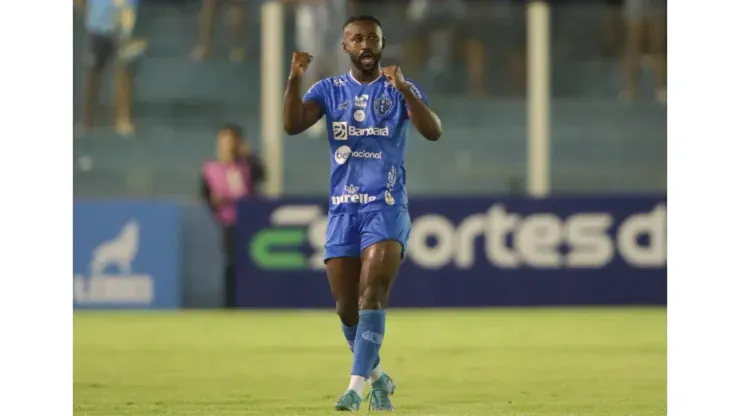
[(612, 28), (237, 15), (429, 52), (109, 25), (510, 17), (319, 32), (236, 174), (646, 31)]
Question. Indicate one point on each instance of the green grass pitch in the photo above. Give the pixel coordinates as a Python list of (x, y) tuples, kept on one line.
[(503, 362)]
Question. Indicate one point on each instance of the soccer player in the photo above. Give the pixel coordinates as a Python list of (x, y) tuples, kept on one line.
[(367, 113)]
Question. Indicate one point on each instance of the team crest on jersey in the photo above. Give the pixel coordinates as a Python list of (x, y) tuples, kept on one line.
[(382, 106), (361, 101)]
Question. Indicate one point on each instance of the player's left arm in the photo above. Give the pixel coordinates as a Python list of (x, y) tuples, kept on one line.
[(423, 118)]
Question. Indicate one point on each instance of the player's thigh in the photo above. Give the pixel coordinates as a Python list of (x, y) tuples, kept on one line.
[(343, 265), (344, 282), (392, 225), (384, 236), (380, 264), (342, 237)]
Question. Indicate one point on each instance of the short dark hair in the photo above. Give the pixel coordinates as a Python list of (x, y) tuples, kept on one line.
[(234, 129), (362, 18)]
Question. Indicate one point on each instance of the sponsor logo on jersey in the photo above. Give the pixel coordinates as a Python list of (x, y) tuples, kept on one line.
[(342, 131), (351, 196), (361, 101), (389, 198), (391, 182), (369, 131), (382, 106), (389, 186), (343, 153), (338, 82), (343, 106), (339, 128), (359, 116)]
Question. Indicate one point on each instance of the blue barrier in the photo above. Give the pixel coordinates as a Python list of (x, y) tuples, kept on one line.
[(471, 252), (126, 255)]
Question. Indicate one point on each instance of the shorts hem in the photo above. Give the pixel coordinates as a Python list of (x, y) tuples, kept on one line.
[(380, 240), (341, 256)]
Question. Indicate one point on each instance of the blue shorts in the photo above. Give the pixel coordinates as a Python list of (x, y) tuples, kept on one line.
[(348, 234)]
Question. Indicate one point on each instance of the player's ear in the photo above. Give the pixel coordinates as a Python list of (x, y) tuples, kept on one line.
[(344, 47)]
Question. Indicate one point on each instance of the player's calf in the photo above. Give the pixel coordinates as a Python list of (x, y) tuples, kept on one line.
[(349, 315), (344, 280), (380, 263)]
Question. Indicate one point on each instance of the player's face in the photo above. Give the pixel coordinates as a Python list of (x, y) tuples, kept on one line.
[(363, 41), (227, 145)]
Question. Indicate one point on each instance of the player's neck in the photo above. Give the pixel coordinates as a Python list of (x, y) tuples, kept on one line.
[(365, 77)]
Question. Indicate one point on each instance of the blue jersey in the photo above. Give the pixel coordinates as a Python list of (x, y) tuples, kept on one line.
[(103, 15), (367, 125)]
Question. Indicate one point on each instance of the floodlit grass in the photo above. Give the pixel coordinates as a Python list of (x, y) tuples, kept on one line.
[(524, 362)]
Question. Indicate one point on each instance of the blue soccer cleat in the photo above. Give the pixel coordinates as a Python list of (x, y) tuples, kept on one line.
[(380, 392), (349, 402)]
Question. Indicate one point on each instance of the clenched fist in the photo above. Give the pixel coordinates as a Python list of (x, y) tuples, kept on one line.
[(300, 63), (395, 76)]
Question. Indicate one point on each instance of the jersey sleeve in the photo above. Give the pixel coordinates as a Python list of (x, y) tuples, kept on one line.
[(317, 95), (417, 92)]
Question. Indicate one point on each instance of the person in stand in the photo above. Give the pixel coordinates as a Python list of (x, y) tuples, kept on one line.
[(314, 21), (110, 25), (646, 36), (235, 175), (237, 15)]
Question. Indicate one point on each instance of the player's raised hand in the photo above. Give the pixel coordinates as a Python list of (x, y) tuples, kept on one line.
[(300, 63), (394, 75)]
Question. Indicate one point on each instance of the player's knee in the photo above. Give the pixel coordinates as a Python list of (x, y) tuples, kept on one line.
[(348, 312), (375, 296)]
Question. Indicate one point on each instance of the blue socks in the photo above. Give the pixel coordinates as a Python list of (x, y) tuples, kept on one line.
[(350, 333), (368, 339)]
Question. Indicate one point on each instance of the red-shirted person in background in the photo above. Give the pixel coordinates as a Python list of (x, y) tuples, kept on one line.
[(236, 174)]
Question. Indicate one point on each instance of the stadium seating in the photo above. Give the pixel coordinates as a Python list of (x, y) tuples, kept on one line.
[(598, 142)]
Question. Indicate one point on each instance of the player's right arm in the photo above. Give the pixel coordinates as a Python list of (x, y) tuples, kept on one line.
[(300, 114)]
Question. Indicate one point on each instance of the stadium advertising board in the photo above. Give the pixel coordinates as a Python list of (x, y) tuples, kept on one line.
[(126, 255), (471, 252)]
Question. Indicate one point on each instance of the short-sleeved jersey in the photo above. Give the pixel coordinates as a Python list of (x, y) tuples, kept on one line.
[(367, 126), (102, 15)]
